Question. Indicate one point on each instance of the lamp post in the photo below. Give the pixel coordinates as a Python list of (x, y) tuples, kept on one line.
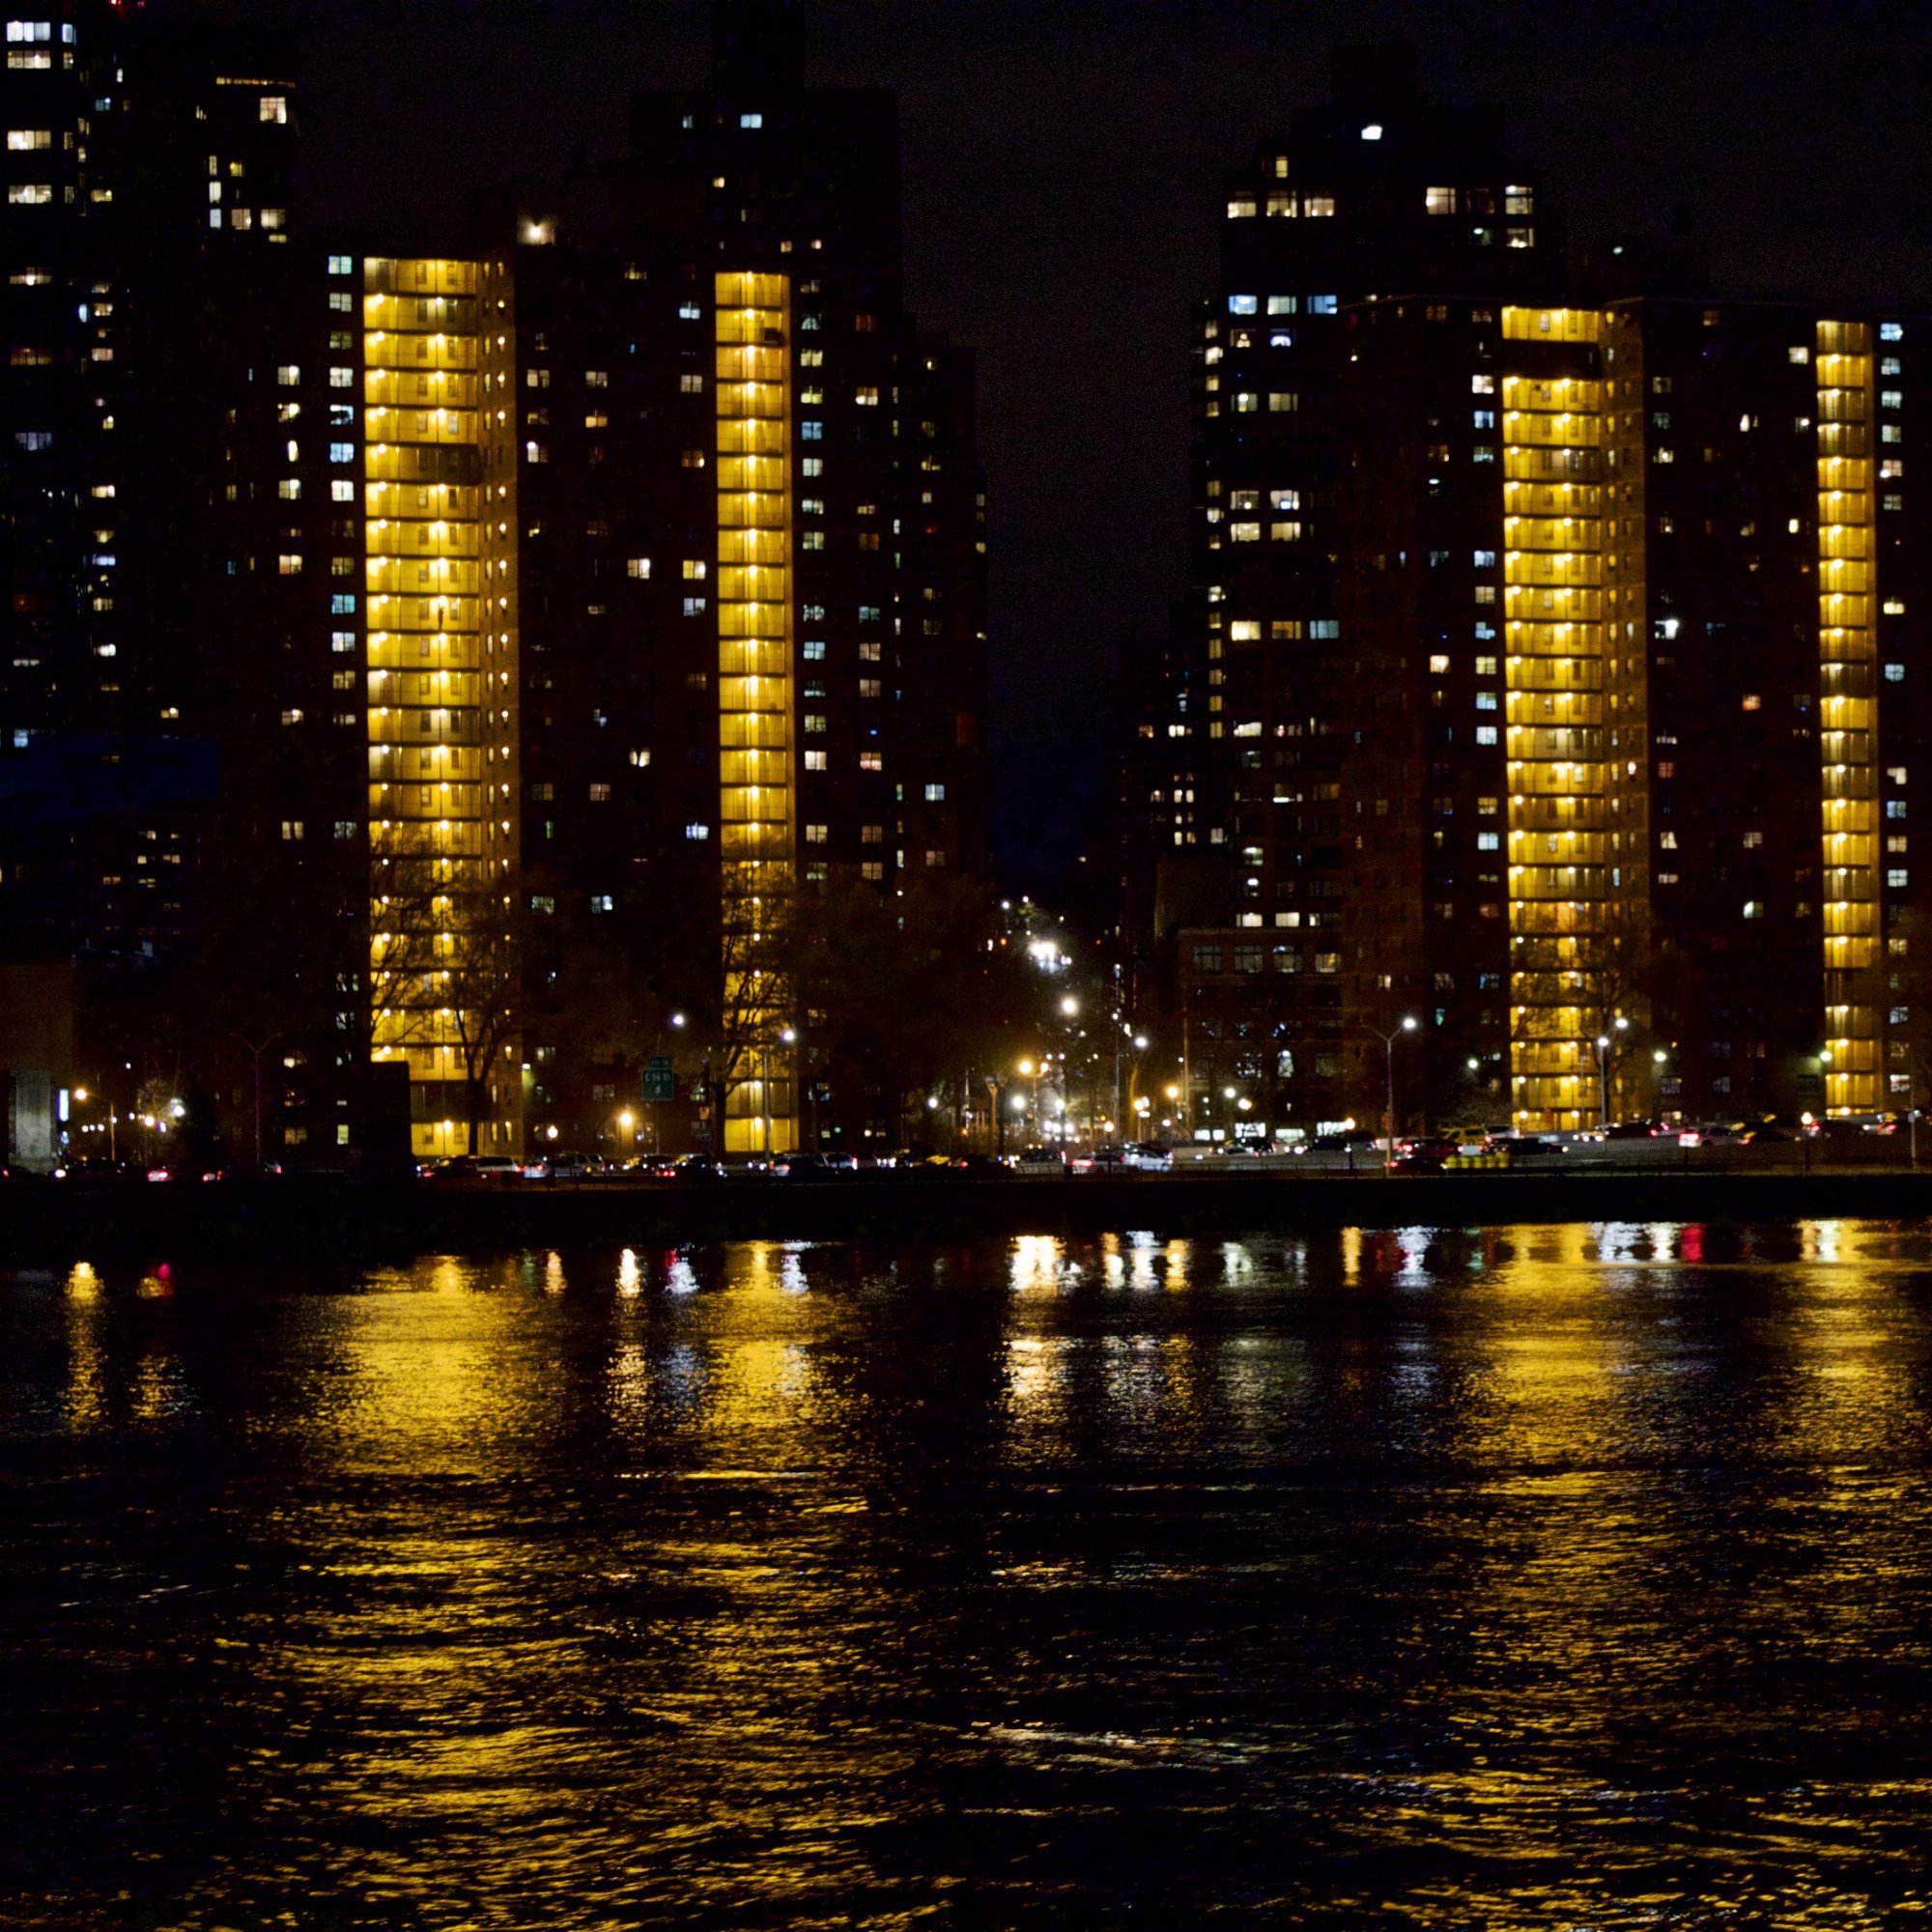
[(257, 1052), (1388, 1040), (1606, 1041), (1659, 1058)]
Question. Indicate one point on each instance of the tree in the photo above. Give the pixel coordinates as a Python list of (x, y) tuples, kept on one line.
[(445, 986), (904, 997)]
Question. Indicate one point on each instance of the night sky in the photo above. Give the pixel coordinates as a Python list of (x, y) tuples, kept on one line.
[(1063, 166)]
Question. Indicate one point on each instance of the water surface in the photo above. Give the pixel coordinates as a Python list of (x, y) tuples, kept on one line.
[(1539, 1578)]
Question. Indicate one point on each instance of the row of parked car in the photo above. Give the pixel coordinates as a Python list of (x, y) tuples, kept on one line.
[(799, 1164)]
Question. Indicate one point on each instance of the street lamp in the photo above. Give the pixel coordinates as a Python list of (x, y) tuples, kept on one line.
[(1388, 1040), (1606, 1044)]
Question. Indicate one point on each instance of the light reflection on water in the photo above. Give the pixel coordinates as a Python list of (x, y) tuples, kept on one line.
[(1499, 1577)]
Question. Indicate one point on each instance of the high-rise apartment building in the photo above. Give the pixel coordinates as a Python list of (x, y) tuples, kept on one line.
[(1254, 832), (754, 547)]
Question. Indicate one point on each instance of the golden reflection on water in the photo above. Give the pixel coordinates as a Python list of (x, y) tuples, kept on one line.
[(1510, 1577), (85, 1396)]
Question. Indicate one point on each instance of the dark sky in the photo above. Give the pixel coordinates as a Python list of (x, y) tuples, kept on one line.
[(1063, 161)]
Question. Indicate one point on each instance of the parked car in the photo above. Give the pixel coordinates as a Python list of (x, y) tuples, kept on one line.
[(694, 1170), (982, 1167), (801, 1165), (1147, 1157), (1106, 1158), (1634, 1130), (1040, 1163), (555, 1167)]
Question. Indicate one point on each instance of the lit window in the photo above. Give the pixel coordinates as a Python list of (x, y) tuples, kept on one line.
[(1243, 304), (341, 264), (1322, 304), (29, 194), (1439, 200), (1486, 734), (24, 140), (289, 489), (1247, 403), (935, 794), (1242, 207), (751, 120), (814, 761), (1283, 402), (288, 564), (1318, 205), (698, 833), (1281, 305)]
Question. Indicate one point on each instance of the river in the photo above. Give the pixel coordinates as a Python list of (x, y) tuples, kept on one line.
[(1555, 1577)]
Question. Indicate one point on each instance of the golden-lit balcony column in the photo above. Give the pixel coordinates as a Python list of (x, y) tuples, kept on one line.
[(1847, 734), (1572, 576), (758, 776), (439, 581)]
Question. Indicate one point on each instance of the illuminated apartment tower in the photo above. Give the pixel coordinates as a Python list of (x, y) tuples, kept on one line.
[(441, 511), (757, 777), (1375, 194), (637, 739)]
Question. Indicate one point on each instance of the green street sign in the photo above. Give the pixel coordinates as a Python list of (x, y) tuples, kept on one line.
[(660, 1082)]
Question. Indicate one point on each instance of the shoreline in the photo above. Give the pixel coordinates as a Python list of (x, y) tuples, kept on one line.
[(331, 1217)]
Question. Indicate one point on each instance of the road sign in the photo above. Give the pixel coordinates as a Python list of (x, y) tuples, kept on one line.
[(660, 1082)]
